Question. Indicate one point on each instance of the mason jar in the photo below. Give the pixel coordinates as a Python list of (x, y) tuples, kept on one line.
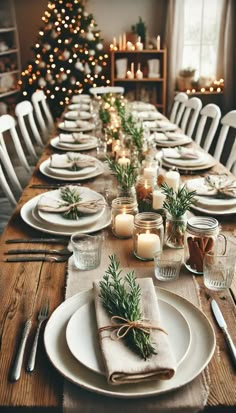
[(175, 228), (123, 211), (202, 236), (148, 235)]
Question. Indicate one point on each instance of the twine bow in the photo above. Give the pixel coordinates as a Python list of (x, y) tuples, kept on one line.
[(122, 328)]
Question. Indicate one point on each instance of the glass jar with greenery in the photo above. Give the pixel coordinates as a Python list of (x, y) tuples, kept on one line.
[(176, 204), (126, 177)]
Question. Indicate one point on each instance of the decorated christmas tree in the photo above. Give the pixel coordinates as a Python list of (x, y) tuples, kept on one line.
[(69, 57)]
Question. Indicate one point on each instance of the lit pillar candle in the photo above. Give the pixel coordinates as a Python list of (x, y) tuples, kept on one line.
[(139, 44), (124, 41), (172, 179), (147, 245), (129, 46), (123, 161), (150, 172), (124, 224), (120, 42), (158, 42), (158, 199)]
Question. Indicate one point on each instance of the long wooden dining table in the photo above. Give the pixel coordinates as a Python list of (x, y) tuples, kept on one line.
[(23, 285)]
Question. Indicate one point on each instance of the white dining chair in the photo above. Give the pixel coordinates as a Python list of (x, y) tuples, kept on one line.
[(178, 107), (8, 128), (28, 127), (190, 115), (228, 124), (8, 179), (102, 90), (209, 119), (42, 111)]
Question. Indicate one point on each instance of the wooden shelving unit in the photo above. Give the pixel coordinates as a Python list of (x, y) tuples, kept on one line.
[(10, 65), (152, 89)]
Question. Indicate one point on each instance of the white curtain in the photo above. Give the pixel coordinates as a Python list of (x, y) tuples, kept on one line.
[(174, 44), (226, 57)]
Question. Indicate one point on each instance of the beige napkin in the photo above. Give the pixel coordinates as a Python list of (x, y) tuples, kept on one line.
[(70, 160), (122, 364), (76, 124), (220, 185), (180, 153), (48, 203), (73, 138)]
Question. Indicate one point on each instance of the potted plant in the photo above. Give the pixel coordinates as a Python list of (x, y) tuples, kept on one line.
[(185, 79), (140, 29)]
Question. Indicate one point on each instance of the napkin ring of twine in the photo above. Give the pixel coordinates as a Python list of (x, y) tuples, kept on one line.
[(122, 328)]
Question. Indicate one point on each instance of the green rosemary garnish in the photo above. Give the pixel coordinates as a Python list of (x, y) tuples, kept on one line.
[(126, 174), (70, 196), (122, 298), (177, 203)]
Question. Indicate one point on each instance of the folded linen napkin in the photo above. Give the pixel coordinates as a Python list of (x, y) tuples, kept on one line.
[(83, 98), (48, 203), (219, 186), (122, 364), (159, 136), (176, 135), (74, 138), (71, 161), (180, 153), (76, 124)]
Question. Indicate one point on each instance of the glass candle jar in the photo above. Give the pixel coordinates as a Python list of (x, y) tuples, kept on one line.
[(201, 237), (148, 235), (144, 193), (123, 212), (175, 228)]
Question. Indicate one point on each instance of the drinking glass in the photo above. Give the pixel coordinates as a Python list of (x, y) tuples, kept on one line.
[(218, 271), (86, 250), (167, 268)]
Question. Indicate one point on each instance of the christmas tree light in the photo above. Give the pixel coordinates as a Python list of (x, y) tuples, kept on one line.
[(69, 56)]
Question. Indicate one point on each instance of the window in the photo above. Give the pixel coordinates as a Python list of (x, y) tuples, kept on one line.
[(202, 20)]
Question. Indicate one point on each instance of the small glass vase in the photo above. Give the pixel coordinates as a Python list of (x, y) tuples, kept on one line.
[(174, 231), (127, 192)]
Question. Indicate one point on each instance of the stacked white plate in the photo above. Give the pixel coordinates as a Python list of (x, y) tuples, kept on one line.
[(160, 125), (62, 174), (177, 157), (79, 106), (147, 115), (211, 203), (140, 106), (90, 143), (55, 223), (170, 139), (78, 114), (76, 126), (82, 98), (77, 356)]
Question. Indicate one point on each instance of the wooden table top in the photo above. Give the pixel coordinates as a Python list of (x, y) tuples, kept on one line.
[(23, 285)]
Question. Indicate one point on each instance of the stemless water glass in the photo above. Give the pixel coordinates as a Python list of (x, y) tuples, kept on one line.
[(218, 271), (86, 250)]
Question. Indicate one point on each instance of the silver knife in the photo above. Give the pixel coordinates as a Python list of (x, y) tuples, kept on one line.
[(37, 240), (222, 324), (16, 369)]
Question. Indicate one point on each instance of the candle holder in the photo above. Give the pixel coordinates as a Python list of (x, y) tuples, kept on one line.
[(148, 235), (144, 193), (123, 212)]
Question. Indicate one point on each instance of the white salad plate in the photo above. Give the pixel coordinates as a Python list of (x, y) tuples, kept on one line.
[(86, 126), (85, 173), (202, 346), (86, 194), (88, 351), (29, 215), (63, 146), (75, 114)]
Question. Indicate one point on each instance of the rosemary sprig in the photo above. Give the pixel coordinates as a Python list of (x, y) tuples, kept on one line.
[(177, 203), (126, 174), (70, 196), (122, 298)]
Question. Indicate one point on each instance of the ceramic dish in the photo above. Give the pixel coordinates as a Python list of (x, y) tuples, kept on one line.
[(88, 351), (92, 143), (74, 115), (201, 350), (79, 106), (86, 127), (210, 201), (28, 216), (47, 171)]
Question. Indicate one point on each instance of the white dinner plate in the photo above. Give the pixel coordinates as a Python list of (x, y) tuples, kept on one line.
[(75, 114), (87, 194), (202, 159), (51, 173), (198, 185), (87, 126), (79, 106), (201, 350), (88, 351), (211, 162), (214, 210), (27, 214), (92, 143)]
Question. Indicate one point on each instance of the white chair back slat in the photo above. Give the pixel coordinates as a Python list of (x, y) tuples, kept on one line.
[(212, 112), (41, 108), (12, 177), (228, 123), (178, 107), (190, 116)]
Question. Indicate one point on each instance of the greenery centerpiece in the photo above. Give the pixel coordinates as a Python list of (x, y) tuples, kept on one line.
[(177, 203), (126, 177)]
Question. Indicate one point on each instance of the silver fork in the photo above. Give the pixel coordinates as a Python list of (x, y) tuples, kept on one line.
[(42, 316), (60, 258)]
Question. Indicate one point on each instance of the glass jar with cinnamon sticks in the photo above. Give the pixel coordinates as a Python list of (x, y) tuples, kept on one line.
[(202, 236)]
